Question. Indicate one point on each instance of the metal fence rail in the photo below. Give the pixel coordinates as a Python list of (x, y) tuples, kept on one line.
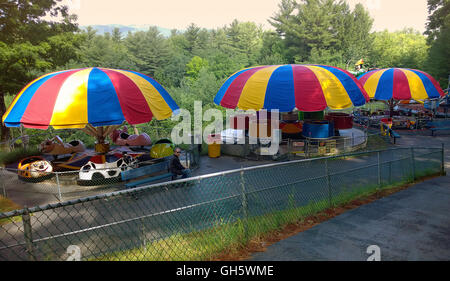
[(198, 218)]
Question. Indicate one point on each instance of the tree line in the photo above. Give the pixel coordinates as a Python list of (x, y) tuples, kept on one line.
[(194, 63)]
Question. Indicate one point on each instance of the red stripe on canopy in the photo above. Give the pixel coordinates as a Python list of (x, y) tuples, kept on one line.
[(366, 76), (308, 90), (38, 114), (231, 97), (134, 106), (401, 90)]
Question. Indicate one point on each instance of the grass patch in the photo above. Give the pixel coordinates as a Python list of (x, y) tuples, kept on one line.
[(228, 241), (207, 244), (372, 106), (7, 205), (17, 155), (377, 142)]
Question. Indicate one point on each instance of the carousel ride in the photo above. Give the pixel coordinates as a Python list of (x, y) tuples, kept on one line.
[(97, 101)]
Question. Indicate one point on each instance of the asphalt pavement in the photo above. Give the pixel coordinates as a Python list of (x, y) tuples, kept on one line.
[(411, 225)]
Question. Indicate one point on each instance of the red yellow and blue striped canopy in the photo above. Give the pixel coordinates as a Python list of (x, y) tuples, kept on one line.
[(286, 87), (96, 96), (400, 84)]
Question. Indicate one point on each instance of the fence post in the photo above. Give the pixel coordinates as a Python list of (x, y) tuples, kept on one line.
[(379, 169), (413, 163), (327, 173), (244, 205), (27, 230), (442, 160), (353, 140), (3, 182), (390, 172), (59, 187)]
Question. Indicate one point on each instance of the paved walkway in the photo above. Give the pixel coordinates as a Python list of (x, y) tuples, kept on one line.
[(413, 224)]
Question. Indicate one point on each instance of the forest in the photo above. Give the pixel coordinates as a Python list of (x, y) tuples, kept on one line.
[(192, 64)]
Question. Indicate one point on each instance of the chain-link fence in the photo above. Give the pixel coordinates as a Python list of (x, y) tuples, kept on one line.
[(201, 217), (305, 148)]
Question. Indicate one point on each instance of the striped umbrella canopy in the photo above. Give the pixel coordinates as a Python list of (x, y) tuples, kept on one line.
[(89, 97), (286, 87), (400, 84)]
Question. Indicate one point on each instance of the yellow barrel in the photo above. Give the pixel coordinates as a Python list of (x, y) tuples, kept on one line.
[(214, 150), (214, 145)]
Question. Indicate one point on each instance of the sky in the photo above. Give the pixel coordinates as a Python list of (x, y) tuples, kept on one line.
[(388, 14)]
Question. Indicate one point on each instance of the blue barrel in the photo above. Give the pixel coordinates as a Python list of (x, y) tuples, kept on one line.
[(318, 129)]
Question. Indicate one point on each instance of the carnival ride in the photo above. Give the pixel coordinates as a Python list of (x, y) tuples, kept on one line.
[(309, 89), (306, 99), (404, 90), (98, 101)]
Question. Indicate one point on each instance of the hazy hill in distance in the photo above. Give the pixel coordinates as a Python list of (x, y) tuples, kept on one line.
[(124, 29)]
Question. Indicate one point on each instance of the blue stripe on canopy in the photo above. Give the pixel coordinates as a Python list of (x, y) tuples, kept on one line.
[(103, 96), (280, 93), (385, 86)]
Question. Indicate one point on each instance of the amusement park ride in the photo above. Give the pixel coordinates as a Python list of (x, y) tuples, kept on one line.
[(310, 99), (97, 101)]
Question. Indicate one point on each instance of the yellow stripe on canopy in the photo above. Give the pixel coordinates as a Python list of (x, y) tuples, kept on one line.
[(254, 92), (71, 103), (372, 83), (20, 94), (416, 87), (333, 90), (158, 106)]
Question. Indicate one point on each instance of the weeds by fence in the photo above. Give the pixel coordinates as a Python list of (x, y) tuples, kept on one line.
[(199, 218)]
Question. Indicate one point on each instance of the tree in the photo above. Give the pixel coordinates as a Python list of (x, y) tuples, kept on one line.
[(272, 51), (438, 62), (172, 73), (245, 38), (25, 41), (354, 37), (194, 66), (150, 48), (439, 13), (22, 20), (103, 51), (438, 31), (116, 35), (192, 35), (406, 48), (324, 29)]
